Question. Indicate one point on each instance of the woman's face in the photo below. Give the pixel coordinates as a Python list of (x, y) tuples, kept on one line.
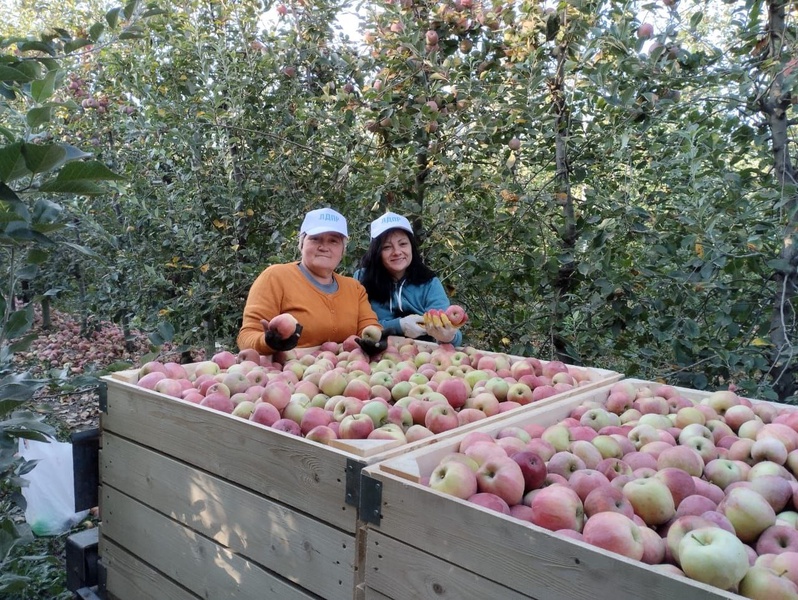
[(322, 253), (397, 253)]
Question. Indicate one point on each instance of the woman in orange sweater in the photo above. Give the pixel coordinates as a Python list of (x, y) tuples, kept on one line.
[(327, 306)]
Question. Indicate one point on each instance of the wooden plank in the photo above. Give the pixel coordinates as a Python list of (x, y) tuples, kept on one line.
[(517, 554), (307, 476), (304, 550), (370, 594), (401, 572), (202, 566), (128, 578), (365, 448)]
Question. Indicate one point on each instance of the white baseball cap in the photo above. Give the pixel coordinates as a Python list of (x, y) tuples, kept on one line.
[(324, 220), (389, 220)]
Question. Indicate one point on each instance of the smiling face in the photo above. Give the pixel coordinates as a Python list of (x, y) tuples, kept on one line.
[(396, 253), (322, 253)]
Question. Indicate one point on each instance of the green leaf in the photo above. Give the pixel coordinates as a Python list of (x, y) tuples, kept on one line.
[(166, 330), (12, 74), (90, 169), (7, 133), (28, 272), (8, 195), (73, 45), (38, 116), (130, 8), (12, 163), (80, 187), (41, 158), (36, 46), (37, 256), (95, 31), (31, 68), (42, 89), (154, 11), (82, 249), (23, 344), (134, 32), (19, 322), (112, 17)]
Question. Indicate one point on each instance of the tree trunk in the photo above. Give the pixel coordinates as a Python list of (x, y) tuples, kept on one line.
[(564, 282), (775, 106), (46, 321)]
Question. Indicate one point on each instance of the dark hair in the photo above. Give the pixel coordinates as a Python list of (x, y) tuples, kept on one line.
[(375, 277)]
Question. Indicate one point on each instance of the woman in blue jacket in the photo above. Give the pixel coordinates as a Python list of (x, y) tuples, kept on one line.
[(401, 288)]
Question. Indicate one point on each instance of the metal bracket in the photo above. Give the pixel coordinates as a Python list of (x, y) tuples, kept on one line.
[(102, 396), (86, 468), (370, 507), (353, 468)]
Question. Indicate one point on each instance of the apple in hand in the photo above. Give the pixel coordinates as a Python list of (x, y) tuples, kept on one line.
[(284, 325), (457, 315), (371, 333), (713, 556)]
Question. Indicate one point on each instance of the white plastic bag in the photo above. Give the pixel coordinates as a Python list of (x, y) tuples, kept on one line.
[(51, 491)]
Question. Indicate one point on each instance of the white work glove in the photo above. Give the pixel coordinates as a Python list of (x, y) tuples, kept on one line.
[(440, 327), (411, 326)]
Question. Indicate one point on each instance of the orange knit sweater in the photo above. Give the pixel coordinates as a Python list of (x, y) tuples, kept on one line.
[(324, 317)]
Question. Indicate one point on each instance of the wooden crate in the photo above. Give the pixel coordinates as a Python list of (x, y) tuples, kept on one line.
[(420, 543), (196, 503)]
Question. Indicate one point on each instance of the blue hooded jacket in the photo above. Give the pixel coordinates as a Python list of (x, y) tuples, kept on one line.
[(410, 299)]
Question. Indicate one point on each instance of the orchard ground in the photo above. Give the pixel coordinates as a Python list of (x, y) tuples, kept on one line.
[(64, 355)]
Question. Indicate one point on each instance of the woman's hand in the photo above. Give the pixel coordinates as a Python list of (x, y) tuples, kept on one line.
[(439, 327), (412, 326)]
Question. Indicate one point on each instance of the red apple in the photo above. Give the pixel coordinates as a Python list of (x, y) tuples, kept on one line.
[(614, 532), (557, 507)]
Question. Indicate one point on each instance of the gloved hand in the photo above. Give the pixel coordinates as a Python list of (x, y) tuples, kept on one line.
[(439, 326), (372, 348), (275, 342), (411, 326)]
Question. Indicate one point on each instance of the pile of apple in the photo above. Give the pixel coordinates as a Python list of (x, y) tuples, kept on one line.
[(704, 488), (336, 391)]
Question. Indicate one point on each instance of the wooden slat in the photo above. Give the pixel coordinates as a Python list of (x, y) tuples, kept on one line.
[(370, 594), (366, 448), (128, 578), (309, 477), (304, 550), (521, 556), (401, 572), (202, 566)]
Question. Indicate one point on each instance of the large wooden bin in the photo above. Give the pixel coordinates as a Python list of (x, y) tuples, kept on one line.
[(420, 543), (200, 504)]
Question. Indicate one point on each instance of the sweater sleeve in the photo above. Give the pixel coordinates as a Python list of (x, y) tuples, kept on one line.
[(264, 301)]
